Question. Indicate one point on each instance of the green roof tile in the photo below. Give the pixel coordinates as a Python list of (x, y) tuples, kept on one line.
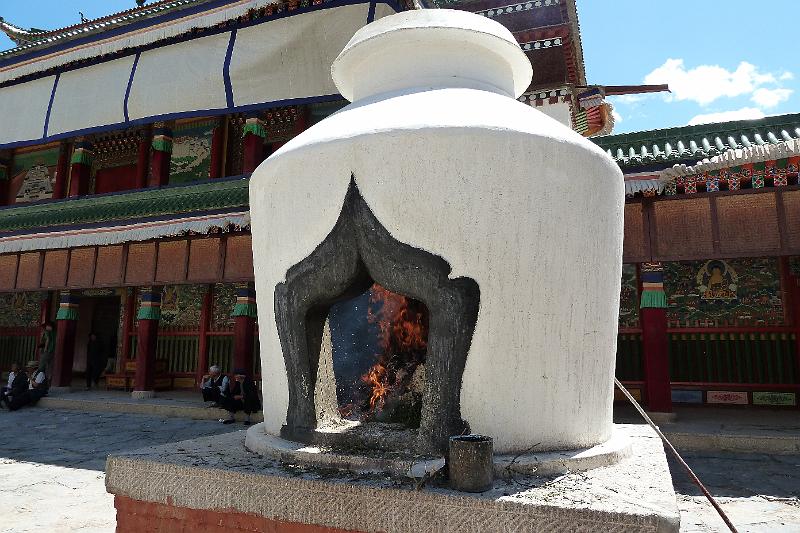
[(694, 143), (145, 203)]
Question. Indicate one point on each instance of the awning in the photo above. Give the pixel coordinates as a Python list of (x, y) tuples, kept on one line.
[(278, 60)]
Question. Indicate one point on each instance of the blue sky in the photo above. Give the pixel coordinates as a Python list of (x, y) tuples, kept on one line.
[(723, 59)]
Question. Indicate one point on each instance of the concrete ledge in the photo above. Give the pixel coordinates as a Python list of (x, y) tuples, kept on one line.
[(662, 418), (218, 473), (729, 442), (143, 394), (610, 452)]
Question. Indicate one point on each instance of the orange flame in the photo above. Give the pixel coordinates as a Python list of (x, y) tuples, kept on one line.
[(401, 330)]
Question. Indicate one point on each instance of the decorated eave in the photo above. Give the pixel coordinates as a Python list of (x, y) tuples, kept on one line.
[(28, 39), (549, 33), (212, 207), (114, 74), (708, 158)]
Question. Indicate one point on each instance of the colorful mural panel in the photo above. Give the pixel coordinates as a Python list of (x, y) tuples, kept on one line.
[(191, 152), (718, 293), (222, 308), (629, 299), (20, 310), (33, 175), (181, 306)]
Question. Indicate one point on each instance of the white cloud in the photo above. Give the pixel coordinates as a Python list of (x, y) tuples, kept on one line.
[(770, 97), (705, 83), (744, 113), (616, 115), (786, 76)]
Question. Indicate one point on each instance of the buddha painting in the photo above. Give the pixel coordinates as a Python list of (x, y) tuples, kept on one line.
[(716, 280)]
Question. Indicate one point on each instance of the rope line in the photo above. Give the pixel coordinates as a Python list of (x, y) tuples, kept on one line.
[(672, 449)]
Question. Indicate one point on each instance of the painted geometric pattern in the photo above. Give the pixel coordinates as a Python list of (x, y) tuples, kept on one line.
[(181, 306), (715, 293), (191, 152), (629, 298), (20, 310), (33, 175), (224, 301)]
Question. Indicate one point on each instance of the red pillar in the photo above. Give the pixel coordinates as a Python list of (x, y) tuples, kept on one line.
[(5, 176), (205, 319), (162, 153), (253, 144), (149, 315), (81, 169), (66, 327), (244, 322), (655, 343), (218, 150), (62, 171), (143, 159)]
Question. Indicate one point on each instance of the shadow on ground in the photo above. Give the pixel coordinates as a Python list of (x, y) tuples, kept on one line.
[(83, 440)]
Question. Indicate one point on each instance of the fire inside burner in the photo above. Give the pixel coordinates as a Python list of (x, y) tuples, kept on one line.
[(379, 345)]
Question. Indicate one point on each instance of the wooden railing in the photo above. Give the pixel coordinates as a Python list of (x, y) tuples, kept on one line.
[(629, 356), (17, 346), (733, 357)]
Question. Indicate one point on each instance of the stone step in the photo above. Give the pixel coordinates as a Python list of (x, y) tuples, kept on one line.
[(155, 407)]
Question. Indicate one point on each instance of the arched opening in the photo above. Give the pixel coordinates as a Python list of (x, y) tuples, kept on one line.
[(358, 253)]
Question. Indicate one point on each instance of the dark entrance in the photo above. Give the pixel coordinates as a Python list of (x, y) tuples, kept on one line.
[(99, 315)]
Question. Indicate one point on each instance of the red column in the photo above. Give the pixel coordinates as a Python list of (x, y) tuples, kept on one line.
[(218, 150), (162, 153), (62, 171), (205, 319), (81, 169), (66, 327), (244, 322), (149, 315), (143, 159), (655, 343), (253, 144), (127, 325), (5, 176)]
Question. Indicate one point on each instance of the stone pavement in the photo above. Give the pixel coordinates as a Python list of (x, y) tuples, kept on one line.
[(52, 464), (52, 479), (758, 492)]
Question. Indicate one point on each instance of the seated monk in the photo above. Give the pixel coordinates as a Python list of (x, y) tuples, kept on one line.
[(37, 388), (242, 395), (17, 385), (212, 386)]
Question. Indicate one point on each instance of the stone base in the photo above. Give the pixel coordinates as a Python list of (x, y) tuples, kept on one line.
[(143, 394), (662, 418), (215, 484), (610, 452)]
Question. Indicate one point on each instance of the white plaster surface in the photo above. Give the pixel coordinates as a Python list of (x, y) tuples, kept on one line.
[(509, 197)]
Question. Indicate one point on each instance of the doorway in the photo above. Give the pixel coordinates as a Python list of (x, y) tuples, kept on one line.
[(99, 315)]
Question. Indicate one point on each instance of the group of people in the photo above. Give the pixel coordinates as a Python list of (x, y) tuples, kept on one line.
[(233, 393), (25, 387)]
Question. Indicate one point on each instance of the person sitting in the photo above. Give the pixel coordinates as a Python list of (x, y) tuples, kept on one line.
[(11, 375), (212, 386), (242, 395), (17, 385), (37, 387)]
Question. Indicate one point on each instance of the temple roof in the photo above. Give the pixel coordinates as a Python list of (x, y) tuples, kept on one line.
[(37, 39), (107, 208), (668, 146)]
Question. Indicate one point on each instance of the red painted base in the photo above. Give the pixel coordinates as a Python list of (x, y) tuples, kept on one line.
[(134, 516)]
